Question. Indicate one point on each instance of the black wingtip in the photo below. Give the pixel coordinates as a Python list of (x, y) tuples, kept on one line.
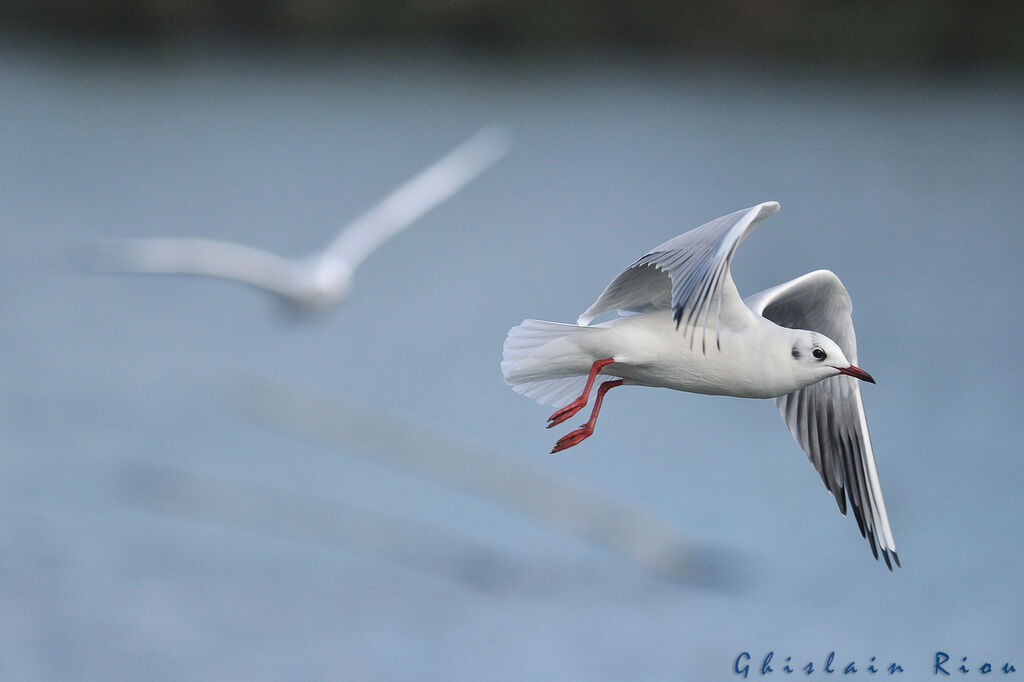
[(862, 526), (896, 558), (888, 562)]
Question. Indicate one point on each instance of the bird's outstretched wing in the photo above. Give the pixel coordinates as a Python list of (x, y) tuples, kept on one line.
[(412, 200), (324, 278), (206, 258), (827, 418), (689, 274)]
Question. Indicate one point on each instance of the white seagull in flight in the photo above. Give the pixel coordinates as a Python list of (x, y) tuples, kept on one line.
[(683, 325), (325, 278)]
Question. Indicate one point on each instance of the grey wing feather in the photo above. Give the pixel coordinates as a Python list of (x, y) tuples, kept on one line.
[(827, 418), (689, 273), (639, 288)]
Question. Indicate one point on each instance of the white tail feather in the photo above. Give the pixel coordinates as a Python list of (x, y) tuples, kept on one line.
[(554, 392), (535, 376)]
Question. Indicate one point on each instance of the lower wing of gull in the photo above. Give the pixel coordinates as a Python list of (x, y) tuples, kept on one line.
[(324, 278), (827, 418), (636, 534), (210, 258)]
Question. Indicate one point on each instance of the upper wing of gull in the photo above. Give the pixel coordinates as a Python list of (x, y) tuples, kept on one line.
[(827, 418), (324, 278), (423, 192), (689, 274)]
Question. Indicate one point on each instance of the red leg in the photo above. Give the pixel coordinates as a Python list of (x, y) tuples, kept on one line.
[(575, 437), (577, 405)]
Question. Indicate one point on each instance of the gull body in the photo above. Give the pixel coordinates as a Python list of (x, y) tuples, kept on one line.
[(647, 351), (325, 278), (683, 325)]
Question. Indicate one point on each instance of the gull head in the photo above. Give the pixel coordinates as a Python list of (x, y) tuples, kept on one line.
[(818, 357)]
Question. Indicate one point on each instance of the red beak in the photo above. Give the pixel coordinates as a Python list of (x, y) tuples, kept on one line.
[(856, 373)]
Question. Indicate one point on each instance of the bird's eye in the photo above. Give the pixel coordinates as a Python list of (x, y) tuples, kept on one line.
[(818, 354)]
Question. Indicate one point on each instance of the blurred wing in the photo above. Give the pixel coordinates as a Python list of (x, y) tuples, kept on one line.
[(204, 257), (411, 201), (689, 274), (827, 418)]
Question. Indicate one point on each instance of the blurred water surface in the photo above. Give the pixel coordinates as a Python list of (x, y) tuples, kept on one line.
[(908, 188)]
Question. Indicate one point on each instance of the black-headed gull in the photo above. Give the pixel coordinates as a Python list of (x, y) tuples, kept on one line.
[(325, 278), (683, 325)]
